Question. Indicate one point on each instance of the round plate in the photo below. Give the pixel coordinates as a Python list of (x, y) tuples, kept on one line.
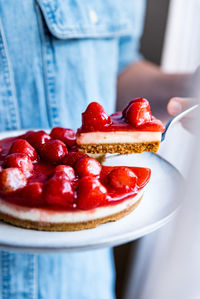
[(159, 204)]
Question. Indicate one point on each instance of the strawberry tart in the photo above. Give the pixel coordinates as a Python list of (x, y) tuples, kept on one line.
[(46, 185), (133, 130)]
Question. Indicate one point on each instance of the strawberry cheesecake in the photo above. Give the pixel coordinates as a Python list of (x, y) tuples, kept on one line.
[(46, 185), (133, 130)]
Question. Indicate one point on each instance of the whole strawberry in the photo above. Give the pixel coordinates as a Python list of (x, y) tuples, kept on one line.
[(36, 139), (21, 161), (68, 136), (90, 193), (94, 118), (137, 112), (53, 151), (72, 157), (59, 191), (65, 171), (23, 147), (12, 179), (122, 178), (32, 194), (88, 167)]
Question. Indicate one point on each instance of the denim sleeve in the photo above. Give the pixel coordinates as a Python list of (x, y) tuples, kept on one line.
[(129, 46)]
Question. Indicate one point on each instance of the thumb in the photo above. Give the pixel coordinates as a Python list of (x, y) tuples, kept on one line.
[(177, 105)]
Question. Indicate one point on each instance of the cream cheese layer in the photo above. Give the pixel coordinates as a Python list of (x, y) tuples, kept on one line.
[(118, 137)]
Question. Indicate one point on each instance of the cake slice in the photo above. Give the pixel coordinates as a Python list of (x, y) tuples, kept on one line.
[(134, 130)]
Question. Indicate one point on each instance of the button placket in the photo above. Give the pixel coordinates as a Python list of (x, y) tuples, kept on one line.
[(49, 74)]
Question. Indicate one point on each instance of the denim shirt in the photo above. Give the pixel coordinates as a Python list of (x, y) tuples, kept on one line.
[(55, 57)]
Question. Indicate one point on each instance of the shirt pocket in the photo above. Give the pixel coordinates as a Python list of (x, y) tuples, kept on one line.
[(85, 34), (87, 19)]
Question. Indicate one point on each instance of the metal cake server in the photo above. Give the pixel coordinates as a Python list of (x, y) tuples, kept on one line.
[(176, 118)]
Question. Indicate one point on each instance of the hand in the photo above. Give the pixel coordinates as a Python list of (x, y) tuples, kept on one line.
[(177, 105)]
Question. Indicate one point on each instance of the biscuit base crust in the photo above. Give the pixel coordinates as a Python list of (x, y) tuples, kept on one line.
[(45, 226), (121, 148)]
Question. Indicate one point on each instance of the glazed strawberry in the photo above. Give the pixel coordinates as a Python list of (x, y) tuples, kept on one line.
[(23, 147), (72, 157), (88, 167), (32, 194), (58, 191), (137, 112), (68, 136), (94, 118), (21, 161), (137, 100), (53, 150), (122, 178), (90, 193), (36, 139), (68, 172), (25, 135), (12, 179)]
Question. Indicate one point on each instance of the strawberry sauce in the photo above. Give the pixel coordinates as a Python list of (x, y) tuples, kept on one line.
[(119, 124), (94, 189)]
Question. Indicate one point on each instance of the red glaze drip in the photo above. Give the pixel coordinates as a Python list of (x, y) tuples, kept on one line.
[(43, 171)]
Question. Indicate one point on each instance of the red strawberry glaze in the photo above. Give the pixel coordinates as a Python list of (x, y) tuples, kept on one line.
[(43, 172), (120, 121)]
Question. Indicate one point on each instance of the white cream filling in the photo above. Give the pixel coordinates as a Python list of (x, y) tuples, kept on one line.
[(40, 215), (118, 137)]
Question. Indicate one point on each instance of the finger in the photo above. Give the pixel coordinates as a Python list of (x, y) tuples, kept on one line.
[(177, 105)]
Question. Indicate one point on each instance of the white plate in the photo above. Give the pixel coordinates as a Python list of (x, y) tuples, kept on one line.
[(159, 204)]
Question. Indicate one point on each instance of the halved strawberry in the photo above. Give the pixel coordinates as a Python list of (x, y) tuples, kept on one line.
[(53, 151), (137, 112), (68, 136), (65, 171), (21, 161), (12, 179), (58, 191), (23, 147), (88, 167), (72, 157), (36, 139), (90, 193), (94, 118), (122, 178)]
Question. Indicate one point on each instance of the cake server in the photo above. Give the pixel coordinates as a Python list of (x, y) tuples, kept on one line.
[(176, 118)]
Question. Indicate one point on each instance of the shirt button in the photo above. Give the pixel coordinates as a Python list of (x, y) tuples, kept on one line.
[(93, 17)]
